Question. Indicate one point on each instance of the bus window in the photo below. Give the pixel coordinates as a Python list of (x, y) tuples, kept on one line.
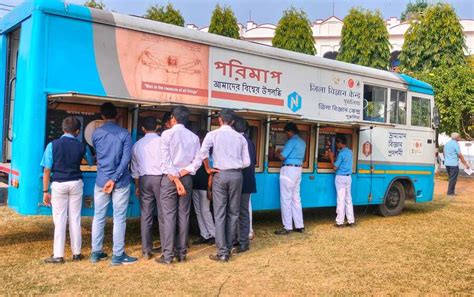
[(278, 139), (327, 142), (194, 124), (88, 115), (375, 103), (420, 112), (398, 107)]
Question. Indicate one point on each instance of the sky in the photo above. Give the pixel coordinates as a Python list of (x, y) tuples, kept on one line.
[(199, 12)]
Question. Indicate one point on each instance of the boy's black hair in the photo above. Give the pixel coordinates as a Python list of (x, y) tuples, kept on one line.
[(71, 124), (341, 139), (108, 111), (149, 123), (240, 124), (181, 114), (291, 127), (227, 115)]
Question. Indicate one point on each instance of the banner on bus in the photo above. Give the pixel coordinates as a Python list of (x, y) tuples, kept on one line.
[(164, 69)]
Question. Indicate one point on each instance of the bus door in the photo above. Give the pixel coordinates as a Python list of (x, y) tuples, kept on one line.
[(8, 104), (327, 143)]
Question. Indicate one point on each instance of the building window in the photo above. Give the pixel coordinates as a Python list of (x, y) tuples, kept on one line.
[(327, 143), (375, 103), (420, 112), (278, 139), (398, 107)]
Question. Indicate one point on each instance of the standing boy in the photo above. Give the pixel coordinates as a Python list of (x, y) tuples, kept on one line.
[(62, 158)]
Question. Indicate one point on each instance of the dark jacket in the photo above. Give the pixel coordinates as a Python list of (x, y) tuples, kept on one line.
[(249, 184), (67, 155)]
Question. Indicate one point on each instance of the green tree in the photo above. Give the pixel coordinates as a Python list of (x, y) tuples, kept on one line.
[(294, 33), (167, 14), (364, 39), (454, 97), (436, 39), (414, 10), (224, 22), (95, 4)]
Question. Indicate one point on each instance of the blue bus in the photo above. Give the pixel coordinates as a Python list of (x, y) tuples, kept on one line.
[(60, 59)]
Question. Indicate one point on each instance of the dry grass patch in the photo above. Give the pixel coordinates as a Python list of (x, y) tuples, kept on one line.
[(427, 249)]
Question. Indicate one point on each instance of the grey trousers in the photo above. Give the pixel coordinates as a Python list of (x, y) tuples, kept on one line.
[(149, 202), (226, 192), (453, 172), (244, 221), (175, 212)]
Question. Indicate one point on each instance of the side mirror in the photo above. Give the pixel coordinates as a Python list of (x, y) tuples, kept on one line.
[(436, 119)]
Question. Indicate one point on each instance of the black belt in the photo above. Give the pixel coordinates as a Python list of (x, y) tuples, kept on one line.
[(229, 170), (292, 165)]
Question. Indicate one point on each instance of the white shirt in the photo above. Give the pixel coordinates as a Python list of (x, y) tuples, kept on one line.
[(178, 148), (229, 150), (146, 156)]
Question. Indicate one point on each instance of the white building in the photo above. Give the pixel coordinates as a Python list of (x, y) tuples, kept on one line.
[(327, 34)]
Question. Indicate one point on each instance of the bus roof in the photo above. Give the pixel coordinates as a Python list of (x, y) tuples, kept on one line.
[(58, 7)]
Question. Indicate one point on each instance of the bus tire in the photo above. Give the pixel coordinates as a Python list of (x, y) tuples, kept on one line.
[(394, 200)]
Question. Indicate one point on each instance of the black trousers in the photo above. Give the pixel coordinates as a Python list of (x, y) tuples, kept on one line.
[(453, 172)]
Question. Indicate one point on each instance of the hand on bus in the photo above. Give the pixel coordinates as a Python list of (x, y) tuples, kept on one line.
[(109, 187), (47, 199)]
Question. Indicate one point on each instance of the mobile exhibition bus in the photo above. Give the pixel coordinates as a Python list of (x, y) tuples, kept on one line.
[(59, 59)]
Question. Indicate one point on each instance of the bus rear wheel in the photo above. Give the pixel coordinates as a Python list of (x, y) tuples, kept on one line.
[(394, 200)]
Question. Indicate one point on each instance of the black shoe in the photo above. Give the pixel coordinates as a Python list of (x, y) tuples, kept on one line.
[(156, 250), (162, 260), (211, 241), (282, 231), (241, 249), (77, 257), (181, 258), (352, 225), (53, 260), (299, 230), (148, 255), (339, 226), (224, 258), (200, 240)]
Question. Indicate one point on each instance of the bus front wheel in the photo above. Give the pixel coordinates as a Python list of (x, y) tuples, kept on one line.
[(394, 200)]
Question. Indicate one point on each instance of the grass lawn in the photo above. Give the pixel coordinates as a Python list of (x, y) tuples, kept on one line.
[(429, 248)]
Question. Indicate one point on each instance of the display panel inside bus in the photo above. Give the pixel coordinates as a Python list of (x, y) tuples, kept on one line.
[(278, 139), (327, 143), (88, 115)]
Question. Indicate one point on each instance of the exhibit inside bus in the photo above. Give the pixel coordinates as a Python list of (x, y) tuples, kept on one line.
[(60, 59)]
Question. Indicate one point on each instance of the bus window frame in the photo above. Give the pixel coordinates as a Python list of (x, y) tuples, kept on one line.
[(275, 166), (354, 147), (424, 97), (389, 100)]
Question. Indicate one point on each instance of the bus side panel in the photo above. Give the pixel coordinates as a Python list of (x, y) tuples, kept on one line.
[(70, 57), (3, 81), (367, 189)]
